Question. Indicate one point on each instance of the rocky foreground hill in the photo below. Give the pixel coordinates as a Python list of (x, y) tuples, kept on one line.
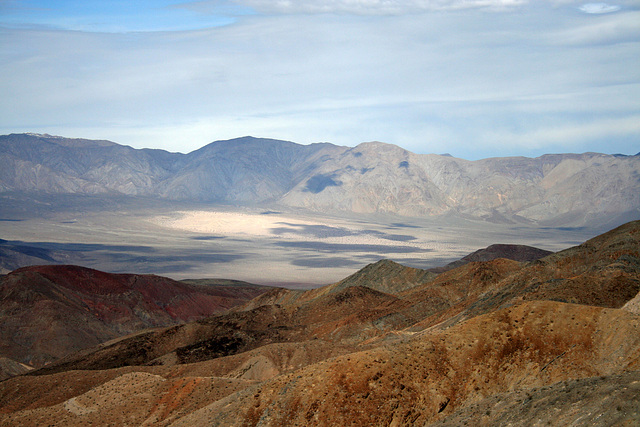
[(555, 189), (50, 311), (551, 341)]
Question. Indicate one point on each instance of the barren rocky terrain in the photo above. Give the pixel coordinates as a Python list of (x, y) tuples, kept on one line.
[(550, 341), (50, 311)]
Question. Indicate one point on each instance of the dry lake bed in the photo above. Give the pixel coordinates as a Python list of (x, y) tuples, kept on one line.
[(261, 245)]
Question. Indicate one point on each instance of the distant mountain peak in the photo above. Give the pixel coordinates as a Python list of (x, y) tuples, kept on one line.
[(41, 135), (64, 141), (382, 147)]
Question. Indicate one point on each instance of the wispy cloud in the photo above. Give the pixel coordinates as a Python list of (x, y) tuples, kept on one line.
[(572, 134), (614, 29), (465, 77), (375, 7), (598, 8)]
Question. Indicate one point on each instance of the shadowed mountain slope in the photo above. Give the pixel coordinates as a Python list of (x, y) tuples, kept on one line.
[(386, 276), (557, 189), (10, 368), (51, 311)]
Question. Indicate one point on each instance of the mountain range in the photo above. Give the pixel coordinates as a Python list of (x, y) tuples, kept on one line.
[(553, 340), (554, 189)]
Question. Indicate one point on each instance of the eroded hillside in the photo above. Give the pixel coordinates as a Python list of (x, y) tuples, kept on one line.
[(51, 311), (466, 346)]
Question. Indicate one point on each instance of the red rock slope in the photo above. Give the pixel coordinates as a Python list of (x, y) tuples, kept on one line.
[(50, 311)]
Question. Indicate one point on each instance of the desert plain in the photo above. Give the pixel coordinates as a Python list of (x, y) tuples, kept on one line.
[(272, 245)]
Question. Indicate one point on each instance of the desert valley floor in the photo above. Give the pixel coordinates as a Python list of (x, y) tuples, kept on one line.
[(286, 247)]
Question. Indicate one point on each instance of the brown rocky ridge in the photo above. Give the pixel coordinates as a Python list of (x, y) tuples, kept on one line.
[(487, 343), (50, 311), (506, 251)]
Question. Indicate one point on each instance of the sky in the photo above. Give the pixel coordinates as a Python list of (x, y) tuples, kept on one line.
[(472, 78)]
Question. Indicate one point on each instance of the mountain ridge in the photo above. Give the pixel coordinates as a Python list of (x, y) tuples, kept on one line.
[(498, 250), (369, 178)]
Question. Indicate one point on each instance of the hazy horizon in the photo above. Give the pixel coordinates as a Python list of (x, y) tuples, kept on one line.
[(46, 135)]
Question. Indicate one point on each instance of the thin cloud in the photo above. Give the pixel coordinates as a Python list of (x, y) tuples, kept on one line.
[(578, 135), (454, 82), (607, 30), (599, 8), (374, 7)]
